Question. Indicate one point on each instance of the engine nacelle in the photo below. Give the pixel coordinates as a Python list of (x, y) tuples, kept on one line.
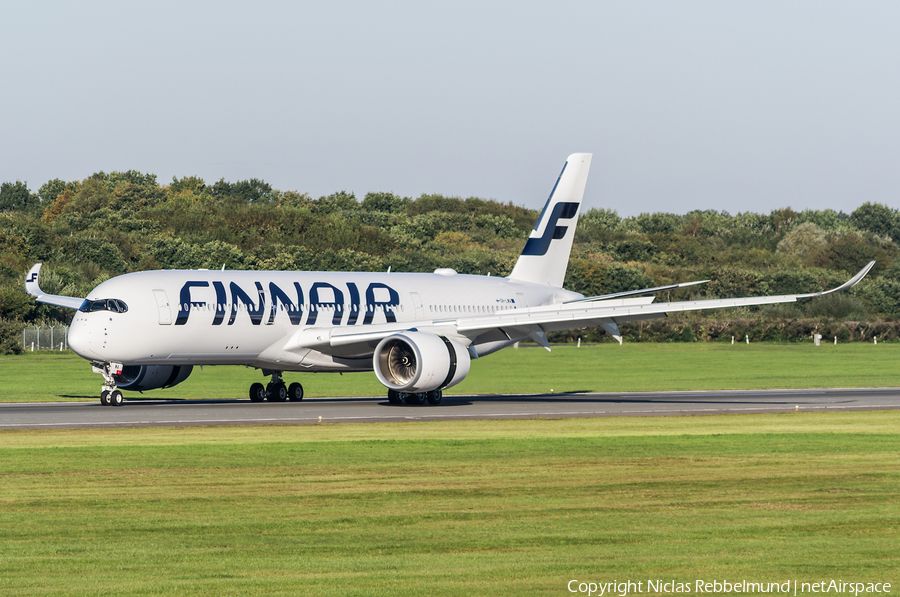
[(139, 378), (420, 362)]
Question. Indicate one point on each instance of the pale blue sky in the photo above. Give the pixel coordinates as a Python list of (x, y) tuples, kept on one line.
[(742, 106)]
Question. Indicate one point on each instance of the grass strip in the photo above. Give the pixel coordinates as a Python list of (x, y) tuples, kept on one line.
[(528, 370), (478, 508)]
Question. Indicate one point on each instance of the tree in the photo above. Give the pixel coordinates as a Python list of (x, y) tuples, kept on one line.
[(295, 199), (114, 179), (499, 226), (782, 218), (791, 282), (57, 206), (11, 336), (14, 303), (386, 202), (621, 278), (14, 196), (249, 190), (98, 251), (51, 189), (883, 295), (848, 252), (803, 240), (336, 202), (659, 223), (703, 223), (604, 219), (194, 184), (632, 249), (174, 253), (428, 203), (731, 282), (877, 218), (93, 194), (826, 219)]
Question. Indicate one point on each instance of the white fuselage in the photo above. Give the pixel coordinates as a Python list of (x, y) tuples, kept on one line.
[(264, 319)]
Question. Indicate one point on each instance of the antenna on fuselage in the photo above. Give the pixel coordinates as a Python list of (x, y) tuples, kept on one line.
[(223, 267)]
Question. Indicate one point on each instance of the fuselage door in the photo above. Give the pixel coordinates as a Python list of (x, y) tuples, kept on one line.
[(162, 305), (521, 303), (417, 303)]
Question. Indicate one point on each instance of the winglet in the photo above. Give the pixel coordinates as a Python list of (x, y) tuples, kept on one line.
[(33, 288), (31, 280), (848, 284)]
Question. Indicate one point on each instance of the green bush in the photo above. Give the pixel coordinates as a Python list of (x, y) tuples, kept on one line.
[(11, 336)]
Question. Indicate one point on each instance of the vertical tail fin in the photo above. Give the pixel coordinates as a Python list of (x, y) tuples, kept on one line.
[(546, 254)]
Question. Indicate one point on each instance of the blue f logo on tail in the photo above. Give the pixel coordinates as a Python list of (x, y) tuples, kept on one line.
[(539, 246)]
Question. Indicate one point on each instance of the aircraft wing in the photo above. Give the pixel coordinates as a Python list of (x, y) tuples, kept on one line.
[(534, 322), (581, 311), (33, 288)]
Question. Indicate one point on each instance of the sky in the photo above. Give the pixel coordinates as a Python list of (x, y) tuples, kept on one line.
[(735, 106)]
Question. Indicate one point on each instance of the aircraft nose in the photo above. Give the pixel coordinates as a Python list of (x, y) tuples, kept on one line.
[(79, 338)]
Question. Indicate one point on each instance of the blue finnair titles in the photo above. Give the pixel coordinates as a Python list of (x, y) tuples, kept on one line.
[(323, 297)]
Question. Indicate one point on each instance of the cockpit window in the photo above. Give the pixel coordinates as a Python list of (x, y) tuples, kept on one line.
[(114, 305)]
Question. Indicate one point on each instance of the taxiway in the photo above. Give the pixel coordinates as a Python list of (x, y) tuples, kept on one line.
[(155, 413)]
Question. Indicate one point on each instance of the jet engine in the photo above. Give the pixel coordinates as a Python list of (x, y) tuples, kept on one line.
[(140, 378), (420, 362)]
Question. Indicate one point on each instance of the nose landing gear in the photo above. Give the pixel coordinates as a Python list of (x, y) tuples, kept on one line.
[(109, 394)]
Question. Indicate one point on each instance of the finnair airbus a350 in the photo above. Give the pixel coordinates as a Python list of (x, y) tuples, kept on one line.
[(418, 332)]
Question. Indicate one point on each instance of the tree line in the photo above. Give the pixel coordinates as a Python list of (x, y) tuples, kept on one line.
[(108, 224)]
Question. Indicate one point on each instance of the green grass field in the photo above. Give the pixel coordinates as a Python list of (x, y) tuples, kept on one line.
[(461, 508), (49, 376)]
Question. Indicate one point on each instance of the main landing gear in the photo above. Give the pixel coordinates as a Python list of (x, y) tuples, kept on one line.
[(109, 394), (276, 390), (415, 398)]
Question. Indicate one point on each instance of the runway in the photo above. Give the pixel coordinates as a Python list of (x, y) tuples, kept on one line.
[(146, 413)]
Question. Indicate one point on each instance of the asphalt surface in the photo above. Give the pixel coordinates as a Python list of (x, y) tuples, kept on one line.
[(146, 413)]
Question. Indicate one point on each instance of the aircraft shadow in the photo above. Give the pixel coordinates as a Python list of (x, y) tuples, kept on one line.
[(580, 397)]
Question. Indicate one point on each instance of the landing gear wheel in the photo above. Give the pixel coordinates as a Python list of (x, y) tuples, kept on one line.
[(257, 392), (295, 392), (276, 392), (394, 397), (434, 397), (415, 398), (116, 398), (104, 397)]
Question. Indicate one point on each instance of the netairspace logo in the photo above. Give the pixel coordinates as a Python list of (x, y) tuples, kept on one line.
[(718, 587)]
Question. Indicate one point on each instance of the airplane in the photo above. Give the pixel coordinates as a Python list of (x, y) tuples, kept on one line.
[(418, 332)]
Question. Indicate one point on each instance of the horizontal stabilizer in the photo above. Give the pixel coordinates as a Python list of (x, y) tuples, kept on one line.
[(636, 292)]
